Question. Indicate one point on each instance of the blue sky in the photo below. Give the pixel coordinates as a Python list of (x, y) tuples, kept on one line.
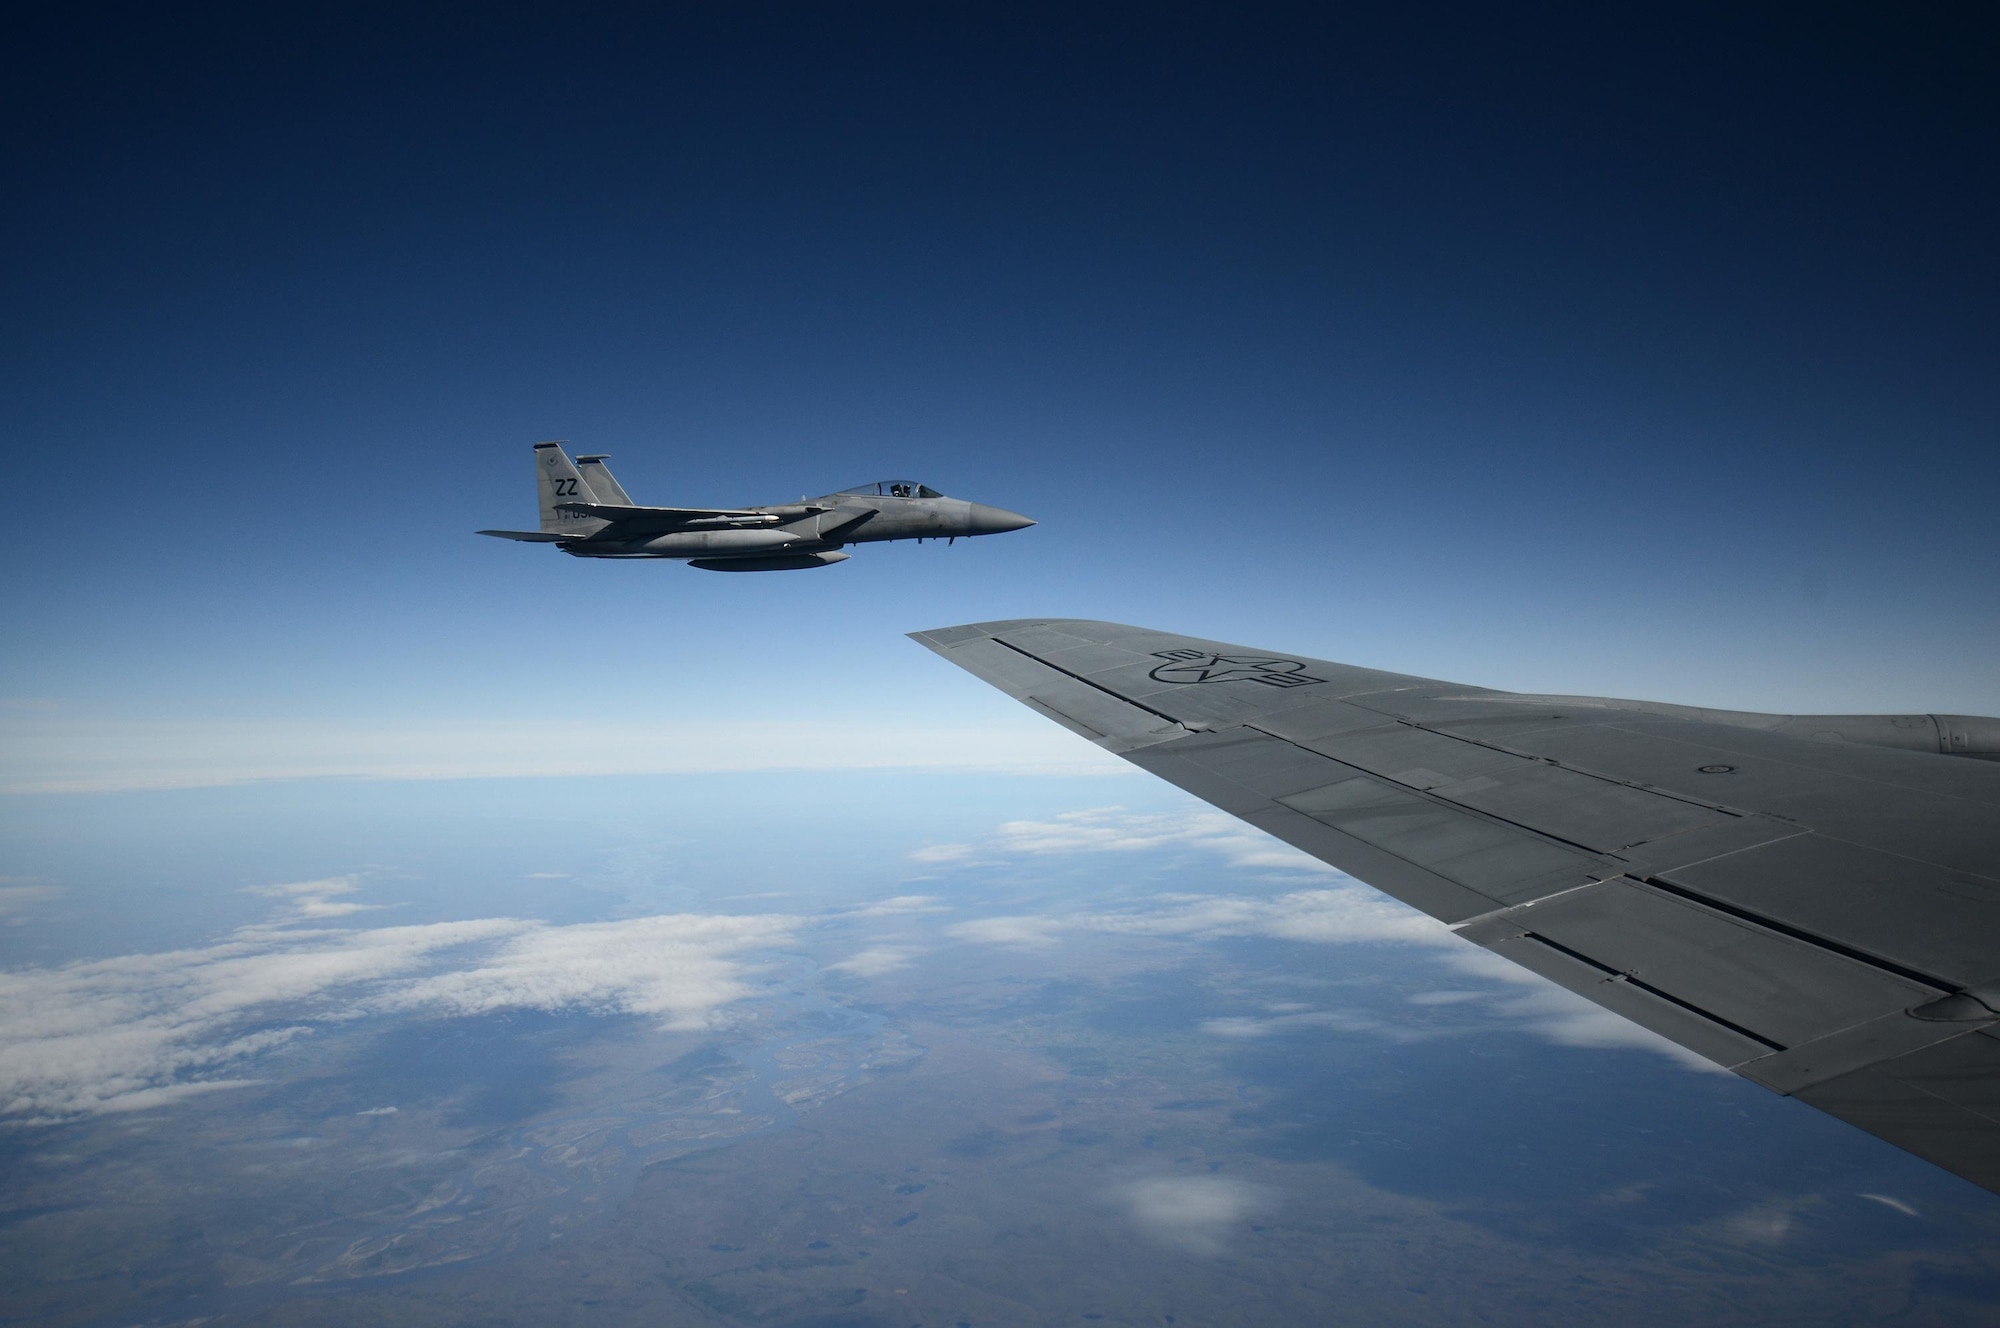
[(1644, 354)]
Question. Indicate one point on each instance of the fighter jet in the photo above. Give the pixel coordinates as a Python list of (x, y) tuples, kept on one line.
[(587, 514), (1812, 901)]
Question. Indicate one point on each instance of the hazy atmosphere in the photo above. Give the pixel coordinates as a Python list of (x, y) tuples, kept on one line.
[(398, 925)]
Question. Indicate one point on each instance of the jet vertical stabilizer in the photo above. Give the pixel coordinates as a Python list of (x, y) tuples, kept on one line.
[(597, 478), (557, 480)]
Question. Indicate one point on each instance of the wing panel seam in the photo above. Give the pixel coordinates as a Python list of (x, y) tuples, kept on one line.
[(1058, 669), (1614, 975), (1656, 791), (1431, 797), (1799, 934)]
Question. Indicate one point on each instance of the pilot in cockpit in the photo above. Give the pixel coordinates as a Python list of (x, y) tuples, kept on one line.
[(899, 489)]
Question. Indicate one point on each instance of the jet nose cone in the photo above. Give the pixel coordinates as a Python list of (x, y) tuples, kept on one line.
[(996, 520)]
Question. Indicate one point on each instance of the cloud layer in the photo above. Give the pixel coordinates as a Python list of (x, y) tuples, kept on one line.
[(140, 1030), (54, 751), (1115, 830), (1346, 913)]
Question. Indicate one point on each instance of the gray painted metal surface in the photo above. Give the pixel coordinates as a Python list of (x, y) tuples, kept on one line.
[(587, 514), (1810, 901)]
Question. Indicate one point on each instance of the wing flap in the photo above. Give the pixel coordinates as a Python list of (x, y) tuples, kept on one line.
[(1780, 990), (1645, 1006)]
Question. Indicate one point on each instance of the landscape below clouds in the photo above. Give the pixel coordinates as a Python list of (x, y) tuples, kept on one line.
[(134, 1031), (810, 1056)]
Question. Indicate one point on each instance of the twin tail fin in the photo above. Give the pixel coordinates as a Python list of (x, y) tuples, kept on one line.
[(597, 478), (558, 481)]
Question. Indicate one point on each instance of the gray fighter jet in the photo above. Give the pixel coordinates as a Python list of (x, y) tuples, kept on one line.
[(1812, 901), (587, 514)]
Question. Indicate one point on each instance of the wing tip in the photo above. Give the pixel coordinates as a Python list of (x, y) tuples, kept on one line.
[(939, 638), (966, 631)]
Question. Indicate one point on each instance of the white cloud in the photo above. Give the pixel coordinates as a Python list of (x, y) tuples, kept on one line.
[(1346, 913), (678, 968), (1446, 997), (1115, 830), (1765, 1225), (331, 885), (1887, 1202), (142, 1030), (1192, 1213), (877, 960), (937, 853), (326, 908), (903, 904), (1249, 1026), (1021, 931), (313, 900), (1340, 914)]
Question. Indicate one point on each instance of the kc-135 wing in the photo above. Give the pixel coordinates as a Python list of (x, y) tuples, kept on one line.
[(1821, 917)]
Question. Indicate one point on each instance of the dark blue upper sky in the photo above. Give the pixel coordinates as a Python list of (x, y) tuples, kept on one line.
[(1649, 350)]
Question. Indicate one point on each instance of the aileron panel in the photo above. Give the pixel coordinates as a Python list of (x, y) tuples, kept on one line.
[(1782, 990)]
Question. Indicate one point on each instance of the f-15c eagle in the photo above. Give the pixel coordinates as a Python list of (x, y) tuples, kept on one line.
[(587, 514), (1812, 901)]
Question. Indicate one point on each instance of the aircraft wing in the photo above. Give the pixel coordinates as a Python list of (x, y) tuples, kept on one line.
[(668, 517), (1820, 917), (530, 536)]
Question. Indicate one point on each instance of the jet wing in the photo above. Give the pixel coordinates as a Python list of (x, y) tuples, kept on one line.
[(1819, 917), (668, 517), (530, 536)]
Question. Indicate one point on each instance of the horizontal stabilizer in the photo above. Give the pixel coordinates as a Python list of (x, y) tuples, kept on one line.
[(532, 536)]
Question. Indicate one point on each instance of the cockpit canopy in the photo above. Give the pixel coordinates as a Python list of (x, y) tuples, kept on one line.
[(894, 489)]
